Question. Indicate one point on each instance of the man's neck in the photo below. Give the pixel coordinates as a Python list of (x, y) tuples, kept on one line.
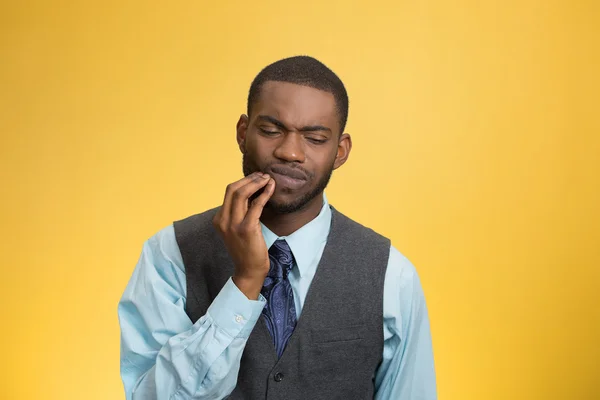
[(286, 224)]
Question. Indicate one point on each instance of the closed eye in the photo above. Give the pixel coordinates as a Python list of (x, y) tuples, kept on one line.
[(268, 132), (316, 141)]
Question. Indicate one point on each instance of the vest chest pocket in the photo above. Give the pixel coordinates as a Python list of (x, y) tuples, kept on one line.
[(340, 335), (336, 356)]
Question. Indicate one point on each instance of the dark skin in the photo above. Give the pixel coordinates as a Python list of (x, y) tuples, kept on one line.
[(291, 143)]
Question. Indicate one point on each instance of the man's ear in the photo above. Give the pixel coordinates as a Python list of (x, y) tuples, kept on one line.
[(242, 129), (343, 150)]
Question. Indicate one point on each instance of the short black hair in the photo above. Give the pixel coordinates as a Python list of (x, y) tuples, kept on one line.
[(306, 71)]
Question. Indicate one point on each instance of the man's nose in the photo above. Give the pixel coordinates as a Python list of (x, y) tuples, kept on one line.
[(291, 148)]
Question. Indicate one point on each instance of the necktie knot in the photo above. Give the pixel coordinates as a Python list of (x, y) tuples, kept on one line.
[(281, 258)]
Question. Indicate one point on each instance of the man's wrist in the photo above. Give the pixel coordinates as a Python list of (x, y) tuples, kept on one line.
[(249, 286)]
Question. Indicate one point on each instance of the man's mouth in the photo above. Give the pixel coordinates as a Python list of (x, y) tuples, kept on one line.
[(286, 177)]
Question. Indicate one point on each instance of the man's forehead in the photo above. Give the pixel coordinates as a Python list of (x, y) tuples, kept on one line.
[(296, 103)]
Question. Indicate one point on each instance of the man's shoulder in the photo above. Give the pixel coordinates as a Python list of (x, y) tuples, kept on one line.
[(398, 264), (196, 232), (350, 224), (166, 236)]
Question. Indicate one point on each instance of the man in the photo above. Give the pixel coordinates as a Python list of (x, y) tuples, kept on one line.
[(275, 294)]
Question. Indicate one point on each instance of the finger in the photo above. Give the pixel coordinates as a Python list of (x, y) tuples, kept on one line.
[(229, 191), (239, 205), (256, 209)]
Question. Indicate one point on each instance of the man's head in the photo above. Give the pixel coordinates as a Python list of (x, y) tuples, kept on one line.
[(297, 111)]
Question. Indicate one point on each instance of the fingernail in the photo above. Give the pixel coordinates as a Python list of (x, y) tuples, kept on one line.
[(265, 176)]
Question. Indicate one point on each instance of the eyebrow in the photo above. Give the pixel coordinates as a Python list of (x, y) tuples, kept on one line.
[(281, 125)]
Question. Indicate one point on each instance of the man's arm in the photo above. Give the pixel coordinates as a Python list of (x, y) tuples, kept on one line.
[(407, 371), (164, 355)]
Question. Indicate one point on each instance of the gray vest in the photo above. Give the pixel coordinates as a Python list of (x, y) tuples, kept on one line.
[(337, 344)]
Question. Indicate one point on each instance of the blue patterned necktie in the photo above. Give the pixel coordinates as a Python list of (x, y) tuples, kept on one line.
[(280, 311)]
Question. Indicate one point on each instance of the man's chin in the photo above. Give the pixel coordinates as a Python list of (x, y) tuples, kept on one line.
[(282, 206)]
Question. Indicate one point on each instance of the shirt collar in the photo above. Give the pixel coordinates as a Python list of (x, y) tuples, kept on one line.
[(306, 242)]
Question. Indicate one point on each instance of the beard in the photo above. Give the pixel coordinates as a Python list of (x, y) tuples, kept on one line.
[(249, 167)]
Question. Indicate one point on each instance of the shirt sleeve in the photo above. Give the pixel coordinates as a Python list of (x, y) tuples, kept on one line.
[(407, 370), (165, 356)]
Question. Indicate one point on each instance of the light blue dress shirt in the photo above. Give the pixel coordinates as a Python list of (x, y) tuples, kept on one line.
[(165, 356)]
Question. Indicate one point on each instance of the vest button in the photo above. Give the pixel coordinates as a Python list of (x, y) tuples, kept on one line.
[(278, 377)]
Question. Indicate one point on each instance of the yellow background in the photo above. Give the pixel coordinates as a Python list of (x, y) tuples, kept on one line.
[(476, 144)]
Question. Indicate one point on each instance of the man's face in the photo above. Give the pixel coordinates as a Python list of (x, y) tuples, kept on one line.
[(293, 135)]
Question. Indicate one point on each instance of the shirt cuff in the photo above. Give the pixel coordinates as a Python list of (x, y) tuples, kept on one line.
[(233, 312)]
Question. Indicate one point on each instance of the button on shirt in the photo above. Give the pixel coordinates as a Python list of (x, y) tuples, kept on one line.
[(165, 356)]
